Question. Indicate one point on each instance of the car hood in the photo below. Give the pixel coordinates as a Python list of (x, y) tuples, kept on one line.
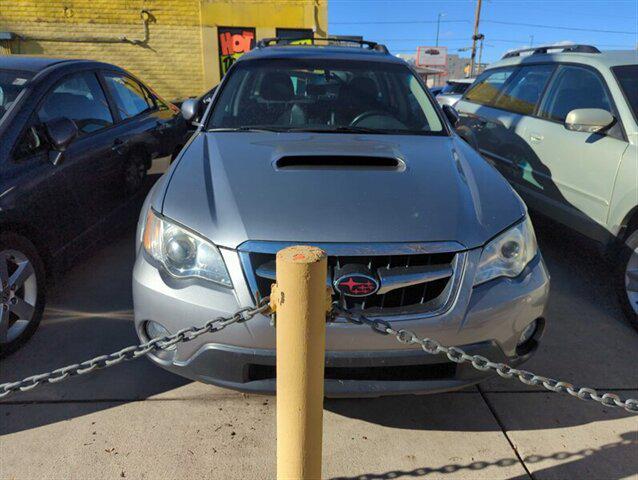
[(227, 187)]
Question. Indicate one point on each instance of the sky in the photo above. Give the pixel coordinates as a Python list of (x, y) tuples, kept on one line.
[(403, 25)]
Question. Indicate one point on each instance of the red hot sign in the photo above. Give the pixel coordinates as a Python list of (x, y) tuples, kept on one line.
[(233, 43)]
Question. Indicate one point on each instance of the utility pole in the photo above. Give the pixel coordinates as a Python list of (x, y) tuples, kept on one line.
[(478, 69), (438, 26), (531, 41), (475, 36)]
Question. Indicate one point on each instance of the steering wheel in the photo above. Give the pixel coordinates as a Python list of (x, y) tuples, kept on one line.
[(362, 116)]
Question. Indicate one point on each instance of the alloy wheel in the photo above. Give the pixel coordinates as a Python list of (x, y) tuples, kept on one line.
[(18, 294), (631, 280)]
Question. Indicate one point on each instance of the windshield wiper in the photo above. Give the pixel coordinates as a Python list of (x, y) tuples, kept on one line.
[(340, 129), (247, 129)]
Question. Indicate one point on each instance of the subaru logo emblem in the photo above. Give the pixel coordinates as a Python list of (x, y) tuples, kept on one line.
[(356, 285)]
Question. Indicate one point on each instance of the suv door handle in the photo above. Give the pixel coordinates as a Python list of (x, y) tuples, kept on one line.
[(535, 137)]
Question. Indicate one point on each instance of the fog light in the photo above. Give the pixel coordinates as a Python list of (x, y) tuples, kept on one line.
[(155, 330), (528, 333)]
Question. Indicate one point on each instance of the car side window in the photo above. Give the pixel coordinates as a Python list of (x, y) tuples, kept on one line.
[(574, 87), (524, 90), (130, 97), (80, 98), (488, 86)]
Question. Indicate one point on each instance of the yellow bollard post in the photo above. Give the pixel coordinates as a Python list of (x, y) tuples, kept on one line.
[(301, 301)]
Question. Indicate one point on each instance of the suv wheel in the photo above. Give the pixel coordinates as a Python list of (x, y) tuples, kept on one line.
[(134, 173), (627, 278), (22, 292)]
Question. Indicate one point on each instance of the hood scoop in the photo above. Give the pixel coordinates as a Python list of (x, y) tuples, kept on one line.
[(339, 162)]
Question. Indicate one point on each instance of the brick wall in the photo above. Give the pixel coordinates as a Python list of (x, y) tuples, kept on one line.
[(170, 61)]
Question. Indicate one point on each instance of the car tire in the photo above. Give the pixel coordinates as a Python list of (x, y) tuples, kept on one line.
[(626, 281), (135, 170), (21, 300)]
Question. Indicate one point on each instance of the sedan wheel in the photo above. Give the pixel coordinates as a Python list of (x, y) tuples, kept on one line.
[(21, 298)]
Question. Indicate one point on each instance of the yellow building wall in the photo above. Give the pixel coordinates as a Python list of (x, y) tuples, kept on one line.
[(176, 53), (263, 15), (168, 61)]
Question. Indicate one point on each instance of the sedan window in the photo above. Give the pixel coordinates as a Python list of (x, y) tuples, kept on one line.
[(12, 83), (80, 98), (131, 98)]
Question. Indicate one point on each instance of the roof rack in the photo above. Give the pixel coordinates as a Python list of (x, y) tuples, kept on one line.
[(570, 48), (344, 41)]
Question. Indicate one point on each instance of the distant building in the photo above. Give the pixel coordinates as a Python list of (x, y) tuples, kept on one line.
[(457, 68)]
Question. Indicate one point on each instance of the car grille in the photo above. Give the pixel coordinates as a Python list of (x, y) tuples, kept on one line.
[(433, 279)]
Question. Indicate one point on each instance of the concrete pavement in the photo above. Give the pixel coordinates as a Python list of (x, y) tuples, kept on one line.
[(138, 421)]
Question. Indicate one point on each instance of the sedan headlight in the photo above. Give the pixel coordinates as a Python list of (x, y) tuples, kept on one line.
[(508, 254), (181, 253)]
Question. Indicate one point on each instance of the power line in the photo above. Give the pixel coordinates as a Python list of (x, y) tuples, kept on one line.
[(383, 22), (535, 25), (497, 40), (556, 27)]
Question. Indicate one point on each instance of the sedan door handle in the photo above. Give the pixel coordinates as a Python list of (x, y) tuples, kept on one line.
[(118, 145), (535, 137)]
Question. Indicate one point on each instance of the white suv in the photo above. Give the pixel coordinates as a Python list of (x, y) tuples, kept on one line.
[(561, 124)]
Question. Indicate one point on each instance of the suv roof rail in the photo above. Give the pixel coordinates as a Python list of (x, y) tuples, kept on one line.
[(565, 48), (343, 41)]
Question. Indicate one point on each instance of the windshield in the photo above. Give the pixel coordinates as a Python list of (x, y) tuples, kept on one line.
[(627, 76), (12, 82), (324, 96), (455, 88)]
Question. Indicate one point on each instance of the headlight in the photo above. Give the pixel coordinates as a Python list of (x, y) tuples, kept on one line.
[(181, 253), (508, 254)]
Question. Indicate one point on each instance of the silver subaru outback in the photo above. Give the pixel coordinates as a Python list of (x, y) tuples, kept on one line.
[(341, 147)]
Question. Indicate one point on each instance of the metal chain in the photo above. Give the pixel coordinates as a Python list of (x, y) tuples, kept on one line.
[(134, 351), (457, 355)]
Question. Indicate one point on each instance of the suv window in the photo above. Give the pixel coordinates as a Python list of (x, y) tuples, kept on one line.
[(627, 76), (488, 86), (130, 97), (80, 98), (574, 87), (524, 90)]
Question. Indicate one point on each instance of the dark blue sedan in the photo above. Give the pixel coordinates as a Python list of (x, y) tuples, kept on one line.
[(76, 140)]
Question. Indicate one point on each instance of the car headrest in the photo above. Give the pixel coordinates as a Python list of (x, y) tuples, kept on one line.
[(277, 86), (363, 87)]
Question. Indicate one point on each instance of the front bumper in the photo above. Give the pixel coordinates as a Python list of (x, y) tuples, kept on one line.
[(485, 320), (347, 374)]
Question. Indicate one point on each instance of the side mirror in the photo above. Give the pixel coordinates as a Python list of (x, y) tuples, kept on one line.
[(190, 109), (61, 132), (590, 120), (452, 115)]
